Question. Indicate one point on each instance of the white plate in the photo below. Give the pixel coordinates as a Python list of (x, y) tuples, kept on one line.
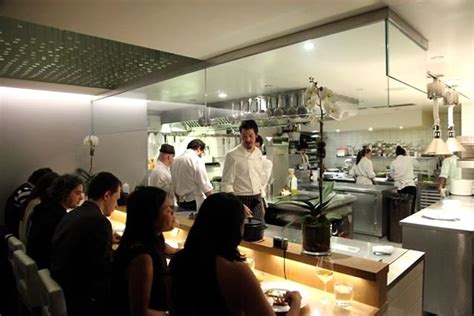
[(382, 250), (440, 216), (286, 286)]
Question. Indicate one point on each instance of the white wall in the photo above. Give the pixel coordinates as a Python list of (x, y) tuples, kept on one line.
[(121, 125), (46, 129), (40, 129)]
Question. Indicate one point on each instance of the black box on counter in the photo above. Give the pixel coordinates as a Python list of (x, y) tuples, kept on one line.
[(280, 242)]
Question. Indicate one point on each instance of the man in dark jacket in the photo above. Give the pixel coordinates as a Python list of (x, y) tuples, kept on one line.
[(67, 191), (82, 246)]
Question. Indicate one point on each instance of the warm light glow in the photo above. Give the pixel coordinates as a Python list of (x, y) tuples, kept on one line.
[(222, 95), (370, 129), (401, 127), (308, 45), (25, 93), (338, 130)]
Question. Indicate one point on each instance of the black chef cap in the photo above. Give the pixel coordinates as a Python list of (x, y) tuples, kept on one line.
[(167, 149)]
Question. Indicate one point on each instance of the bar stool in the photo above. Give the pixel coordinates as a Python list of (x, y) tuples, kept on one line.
[(13, 245), (27, 281), (52, 296)]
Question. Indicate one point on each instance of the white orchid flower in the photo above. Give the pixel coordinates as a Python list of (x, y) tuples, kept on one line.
[(91, 140)]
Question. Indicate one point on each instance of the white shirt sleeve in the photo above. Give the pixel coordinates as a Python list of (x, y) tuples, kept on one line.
[(228, 174), (201, 177)]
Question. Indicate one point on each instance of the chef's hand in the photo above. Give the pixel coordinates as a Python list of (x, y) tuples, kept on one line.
[(248, 212), (442, 191)]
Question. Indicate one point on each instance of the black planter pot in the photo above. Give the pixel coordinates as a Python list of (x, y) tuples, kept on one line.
[(316, 235), (253, 229)]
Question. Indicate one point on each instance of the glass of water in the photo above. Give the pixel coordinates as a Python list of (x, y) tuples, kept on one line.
[(343, 292)]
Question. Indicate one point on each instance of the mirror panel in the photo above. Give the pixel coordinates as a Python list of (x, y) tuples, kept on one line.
[(406, 59), (351, 63)]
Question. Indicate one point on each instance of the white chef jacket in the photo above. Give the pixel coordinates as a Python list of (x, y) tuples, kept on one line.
[(401, 170), (243, 172), (160, 177), (364, 171), (267, 174), (190, 180), (449, 170)]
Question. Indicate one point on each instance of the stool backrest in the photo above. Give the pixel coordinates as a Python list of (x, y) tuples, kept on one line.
[(26, 275), (52, 296), (14, 244)]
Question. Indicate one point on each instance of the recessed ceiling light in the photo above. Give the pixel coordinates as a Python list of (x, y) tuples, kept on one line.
[(308, 45), (338, 130), (222, 95), (401, 127), (370, 129)]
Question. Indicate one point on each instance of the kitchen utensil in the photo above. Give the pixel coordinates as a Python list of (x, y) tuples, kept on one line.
[(279, 111), (301, 110), (270, 105), (293, 105), (253, 229)]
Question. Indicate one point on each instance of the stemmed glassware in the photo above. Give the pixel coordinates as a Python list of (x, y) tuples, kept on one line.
[(324, 271)]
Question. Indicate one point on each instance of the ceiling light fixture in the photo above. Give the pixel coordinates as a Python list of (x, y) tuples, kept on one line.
[(308, 45), (370, 129), (338, 130), (401, 127), (222, 95)]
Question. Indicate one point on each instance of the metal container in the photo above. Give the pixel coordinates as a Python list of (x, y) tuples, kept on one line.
[(253, 229)]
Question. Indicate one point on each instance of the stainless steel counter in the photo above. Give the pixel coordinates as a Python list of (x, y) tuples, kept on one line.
[(444, 231), (370, 218)]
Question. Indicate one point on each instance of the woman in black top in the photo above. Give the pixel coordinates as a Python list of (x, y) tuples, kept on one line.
[(209, 275), (140, 274)]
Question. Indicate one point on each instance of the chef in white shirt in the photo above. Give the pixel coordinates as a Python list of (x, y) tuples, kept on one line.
[(449, 171), (401, 171), (160, 176), (363, 169), (190, 182), (243, 172)]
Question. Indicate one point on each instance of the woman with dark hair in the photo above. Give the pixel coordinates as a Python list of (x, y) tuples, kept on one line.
[(401, 170), (209, 275), (140, 274), (363, 169), (66, 192)]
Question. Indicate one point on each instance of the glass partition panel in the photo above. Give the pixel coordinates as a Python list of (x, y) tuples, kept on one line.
[(351, 63), (406, 59)]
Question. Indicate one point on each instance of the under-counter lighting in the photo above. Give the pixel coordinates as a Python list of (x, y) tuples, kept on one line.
[(401, 127), (222, 95), (308, 45), (370, 129)]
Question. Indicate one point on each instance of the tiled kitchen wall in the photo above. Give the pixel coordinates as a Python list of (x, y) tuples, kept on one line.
[(420, 136)]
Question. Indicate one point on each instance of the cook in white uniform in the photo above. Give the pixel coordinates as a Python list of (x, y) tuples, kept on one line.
[(190, 182), (401, 170), (243, 172), (363, 169), (449, 170), (160, 176)]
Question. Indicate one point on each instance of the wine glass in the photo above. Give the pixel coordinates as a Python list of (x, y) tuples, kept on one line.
[(324, 272)]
